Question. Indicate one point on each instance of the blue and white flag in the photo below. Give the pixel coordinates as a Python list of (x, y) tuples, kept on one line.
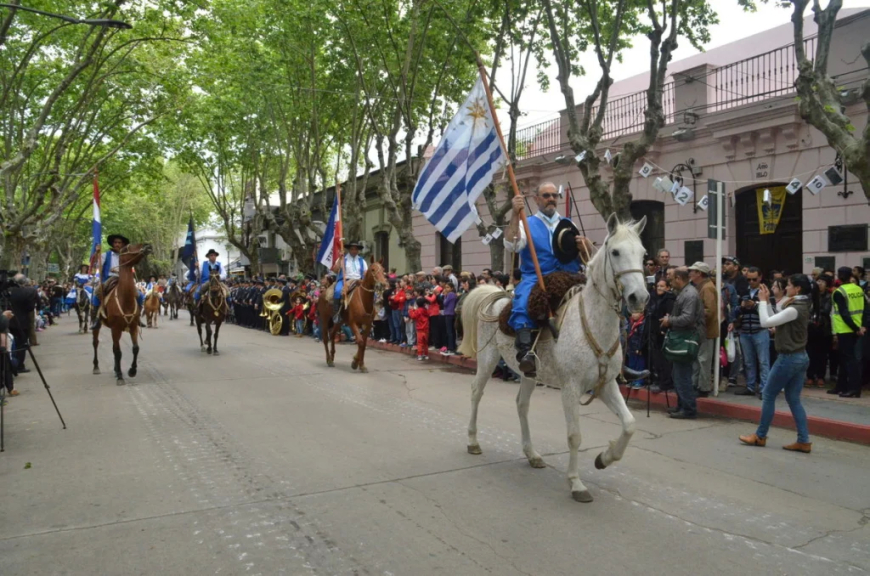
[(463, 165), (330, 245)]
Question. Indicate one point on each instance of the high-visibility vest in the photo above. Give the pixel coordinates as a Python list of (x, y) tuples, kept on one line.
[(855, 302)]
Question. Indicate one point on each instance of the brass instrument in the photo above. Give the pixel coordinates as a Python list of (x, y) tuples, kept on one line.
[(272, 301)]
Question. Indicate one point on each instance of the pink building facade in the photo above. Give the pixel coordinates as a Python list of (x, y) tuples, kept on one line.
[(732, 117)]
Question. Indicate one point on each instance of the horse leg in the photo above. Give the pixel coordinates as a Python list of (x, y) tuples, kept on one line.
[(208, 337), (354, 329), (613, 399), (571, 405), (361, 349), (199, 331), (96, 336), (217, 329), (134, 336), (326, 336), (116, 349), (486, 361), (527, 386)]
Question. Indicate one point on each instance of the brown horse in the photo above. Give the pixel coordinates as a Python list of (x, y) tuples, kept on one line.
[(152, 308), (212, 308), (173, 298), (120, 309), (358, 314)]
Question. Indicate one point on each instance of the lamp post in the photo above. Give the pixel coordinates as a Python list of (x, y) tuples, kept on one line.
[(105, 23)]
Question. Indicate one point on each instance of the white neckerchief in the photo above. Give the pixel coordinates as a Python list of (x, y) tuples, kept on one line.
[(550, 221)]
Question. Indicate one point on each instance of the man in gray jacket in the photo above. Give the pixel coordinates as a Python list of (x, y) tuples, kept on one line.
[(688, 314)]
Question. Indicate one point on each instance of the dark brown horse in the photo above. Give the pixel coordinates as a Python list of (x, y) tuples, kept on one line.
[(173, 298), (120, 309), (212, 308), (358, 314)]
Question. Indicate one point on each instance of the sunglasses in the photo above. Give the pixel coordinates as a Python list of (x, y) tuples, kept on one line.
[(548, 196)]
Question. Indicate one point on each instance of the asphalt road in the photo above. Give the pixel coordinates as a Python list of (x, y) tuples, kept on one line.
[(265, 461)]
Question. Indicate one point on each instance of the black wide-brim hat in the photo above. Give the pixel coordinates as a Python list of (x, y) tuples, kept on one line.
[(112, 237), (353, 244), (565, 241), (212, 251)]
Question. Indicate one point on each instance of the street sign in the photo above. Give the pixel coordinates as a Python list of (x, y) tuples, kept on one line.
[(52, 268), (714, 188)]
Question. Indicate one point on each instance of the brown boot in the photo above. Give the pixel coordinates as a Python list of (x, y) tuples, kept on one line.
[(753, 440), (805, 447)]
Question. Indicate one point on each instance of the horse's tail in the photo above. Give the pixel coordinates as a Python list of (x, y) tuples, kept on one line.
[(472, 306)]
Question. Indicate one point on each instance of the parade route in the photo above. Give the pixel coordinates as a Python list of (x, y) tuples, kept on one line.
[(265, 461)]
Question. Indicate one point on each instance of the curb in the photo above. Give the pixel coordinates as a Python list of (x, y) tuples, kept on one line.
[(826, 427)]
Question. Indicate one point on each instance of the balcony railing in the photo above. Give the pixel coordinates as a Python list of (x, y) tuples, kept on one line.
[(751, 80), (539, 139), (758, 78)]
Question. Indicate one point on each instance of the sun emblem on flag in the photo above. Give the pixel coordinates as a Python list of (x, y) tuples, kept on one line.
[(477, 110)]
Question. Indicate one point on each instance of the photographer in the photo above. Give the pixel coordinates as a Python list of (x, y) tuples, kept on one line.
[(23, 300)]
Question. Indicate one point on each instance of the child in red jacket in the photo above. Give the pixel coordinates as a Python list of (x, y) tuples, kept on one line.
[(299, 316), (420, 315)]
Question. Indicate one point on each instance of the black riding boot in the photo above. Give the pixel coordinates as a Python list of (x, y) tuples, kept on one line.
[(524, 352), (630, 375), (337, 307)]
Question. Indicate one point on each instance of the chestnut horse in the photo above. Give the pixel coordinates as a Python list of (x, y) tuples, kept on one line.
[(152, 308), (212, 308), (358, 314), (120, 309)]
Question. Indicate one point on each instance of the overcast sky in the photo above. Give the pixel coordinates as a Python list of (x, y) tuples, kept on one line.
[(734, 24)]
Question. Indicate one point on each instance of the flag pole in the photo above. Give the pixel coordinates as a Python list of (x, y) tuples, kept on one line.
[(340, 239), (510, 171)]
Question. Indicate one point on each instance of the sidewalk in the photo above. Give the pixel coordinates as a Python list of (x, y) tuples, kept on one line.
[(829, 416)]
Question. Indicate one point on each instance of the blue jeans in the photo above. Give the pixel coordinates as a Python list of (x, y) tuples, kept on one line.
[(300, 326), (682, 376), (756, 349), (397, 326), (316, 331), (789, 373)]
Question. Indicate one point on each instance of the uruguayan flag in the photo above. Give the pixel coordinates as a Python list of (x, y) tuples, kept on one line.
[(465, 162)]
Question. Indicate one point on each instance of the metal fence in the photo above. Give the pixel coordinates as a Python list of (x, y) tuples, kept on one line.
[(539, 139), (758, 78), (627, 114)]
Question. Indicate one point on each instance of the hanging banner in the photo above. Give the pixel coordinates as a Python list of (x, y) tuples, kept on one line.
[(770, 212)]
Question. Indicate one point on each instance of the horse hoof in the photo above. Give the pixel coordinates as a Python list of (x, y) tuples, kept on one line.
[(363, 370), (120, 382), (475, 450), (216, 353), (208, 351), (330, 364), (354, 365), (599, 462), (96, 371), (584, 496), (202, 348), (537, 462), (131, 373)]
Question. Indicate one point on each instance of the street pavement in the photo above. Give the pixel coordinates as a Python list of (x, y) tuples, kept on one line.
[(265, 461)]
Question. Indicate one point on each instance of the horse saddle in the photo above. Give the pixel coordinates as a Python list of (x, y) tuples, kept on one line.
[(349, 287), (542, 305)]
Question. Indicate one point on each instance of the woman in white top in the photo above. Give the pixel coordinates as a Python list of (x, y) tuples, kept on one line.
[(790, 368)]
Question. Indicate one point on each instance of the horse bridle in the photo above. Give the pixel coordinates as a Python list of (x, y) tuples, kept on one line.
[(372, 291), (617, 288)]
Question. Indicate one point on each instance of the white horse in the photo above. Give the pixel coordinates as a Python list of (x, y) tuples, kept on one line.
[(586, 357)]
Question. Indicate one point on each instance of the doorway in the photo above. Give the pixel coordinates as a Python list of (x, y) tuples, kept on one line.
[(782, 250), (653, 235)]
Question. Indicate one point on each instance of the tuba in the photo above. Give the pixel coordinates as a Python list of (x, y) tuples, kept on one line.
[(272, 301)]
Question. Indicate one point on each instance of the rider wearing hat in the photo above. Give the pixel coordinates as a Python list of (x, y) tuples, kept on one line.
[(354, 269), (559, 248), (110, 268), (210, 266)]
